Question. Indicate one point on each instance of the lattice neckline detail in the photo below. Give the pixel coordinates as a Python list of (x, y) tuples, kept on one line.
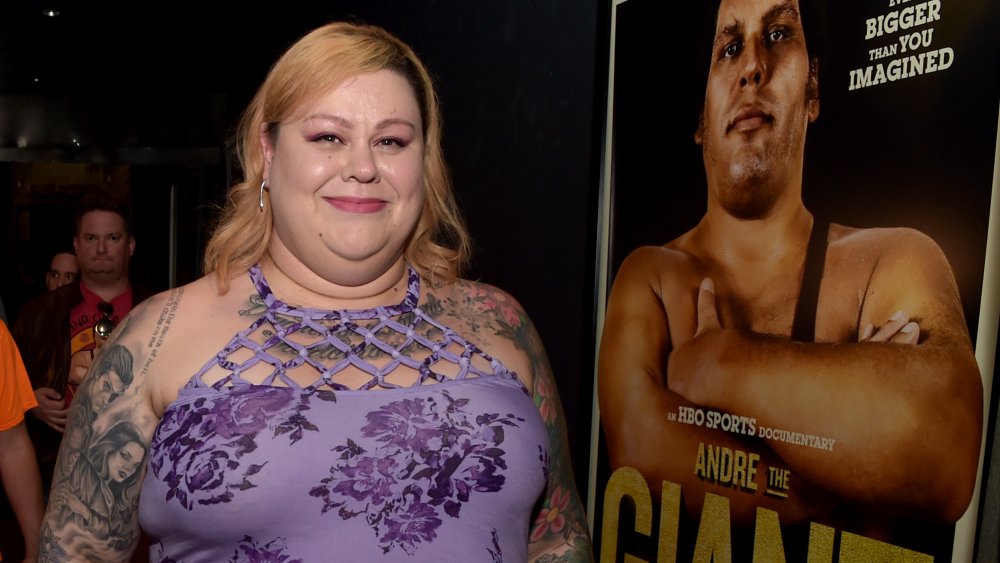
[(375, 342)]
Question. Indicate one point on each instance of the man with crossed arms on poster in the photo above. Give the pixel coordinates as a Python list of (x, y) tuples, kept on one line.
[(889, 378)]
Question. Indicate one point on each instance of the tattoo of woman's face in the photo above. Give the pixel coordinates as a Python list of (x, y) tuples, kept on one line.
[(124, 462)]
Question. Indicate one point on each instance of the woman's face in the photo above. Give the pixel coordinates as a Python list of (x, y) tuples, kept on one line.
[(124, 462), (346, 179)]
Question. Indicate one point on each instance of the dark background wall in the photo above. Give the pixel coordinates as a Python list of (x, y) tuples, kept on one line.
[(156, 88)]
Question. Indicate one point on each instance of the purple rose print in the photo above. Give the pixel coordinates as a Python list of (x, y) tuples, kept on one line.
[(249, 551), (199, 446), (409, 526), (369, 480), (429, 457)]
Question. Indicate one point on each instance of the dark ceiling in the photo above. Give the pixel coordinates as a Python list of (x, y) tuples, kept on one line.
[(155, 73), (68, 46)]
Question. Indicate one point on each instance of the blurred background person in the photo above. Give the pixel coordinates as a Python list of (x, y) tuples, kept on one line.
[(62, 270)]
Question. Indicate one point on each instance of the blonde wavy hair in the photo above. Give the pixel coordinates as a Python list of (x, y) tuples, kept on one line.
[(438, 248)]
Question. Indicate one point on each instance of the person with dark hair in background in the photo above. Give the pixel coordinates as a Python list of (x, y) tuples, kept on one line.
[(787, 327), (88, 308), (18, 468), (331, 366), (62, 270)]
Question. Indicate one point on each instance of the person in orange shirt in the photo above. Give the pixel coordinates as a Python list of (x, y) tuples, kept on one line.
[(18, 468)]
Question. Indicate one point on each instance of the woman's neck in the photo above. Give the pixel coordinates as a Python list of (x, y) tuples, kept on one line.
[(295, 284)]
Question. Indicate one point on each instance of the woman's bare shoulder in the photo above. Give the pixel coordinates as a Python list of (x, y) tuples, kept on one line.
[(486, 316), (477, 308), (176, 331), (152, 312)]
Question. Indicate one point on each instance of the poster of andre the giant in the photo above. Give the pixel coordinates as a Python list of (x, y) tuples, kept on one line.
[(794, 324)]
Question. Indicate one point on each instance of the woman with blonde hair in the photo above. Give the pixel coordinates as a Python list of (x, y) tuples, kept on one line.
[(352, 398)]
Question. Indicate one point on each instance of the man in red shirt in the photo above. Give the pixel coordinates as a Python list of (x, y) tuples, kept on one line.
[(57, 361)]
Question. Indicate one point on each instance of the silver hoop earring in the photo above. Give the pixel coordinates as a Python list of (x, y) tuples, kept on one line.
[(261, 199)]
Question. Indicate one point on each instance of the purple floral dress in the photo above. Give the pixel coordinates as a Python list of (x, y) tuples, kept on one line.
[(445, 470)]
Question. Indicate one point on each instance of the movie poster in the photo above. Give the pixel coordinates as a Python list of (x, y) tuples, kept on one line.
[(795, 216)]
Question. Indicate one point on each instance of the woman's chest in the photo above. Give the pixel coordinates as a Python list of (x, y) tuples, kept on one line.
[(369, 458)]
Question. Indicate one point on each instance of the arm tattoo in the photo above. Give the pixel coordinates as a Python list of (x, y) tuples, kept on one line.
[(93, 505), (97, 490), (490, 311), (255, 307), (163, 324), (561, 495), (94, 493)]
